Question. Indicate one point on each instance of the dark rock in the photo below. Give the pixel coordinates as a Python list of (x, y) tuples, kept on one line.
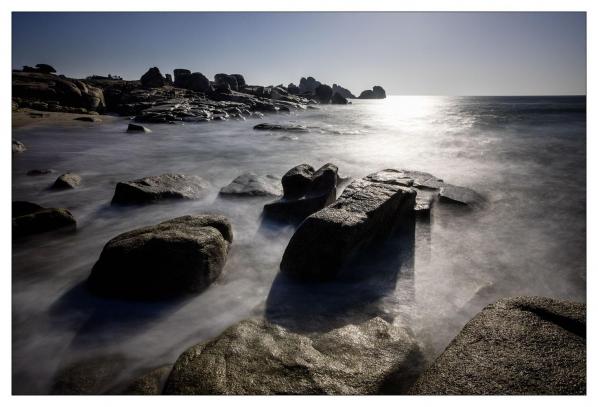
[(39, 172), (296, 182), (151, 383), (338, 99), (323, 93), (67, 181), (181, 78), (240, 80), (281, 127), (18, 147), (152, 79), (377, 92), (136, 128), (91, 376), (293, 89), (250, 184), (368, 209), (224, 79), (308, 85), (346, 93), (88, 119), (198, 82), (168, 79), (256, 357), (15, 106), (29, 218), (45, 68), (158, 188), (181, 255), (521, 345)]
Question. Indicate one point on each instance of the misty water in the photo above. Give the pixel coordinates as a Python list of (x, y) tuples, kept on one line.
[(526, 156)]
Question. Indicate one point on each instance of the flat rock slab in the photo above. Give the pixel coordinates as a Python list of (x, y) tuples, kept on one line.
[(297, 128), (257, 357), (158, 188), (136, 128), (522, 345), (368, 209), (67, 181), (29, 218), (180, 256), (89, 119), (250, 185)]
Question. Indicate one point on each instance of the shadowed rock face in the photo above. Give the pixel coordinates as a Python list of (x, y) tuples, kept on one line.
[(158, 188), (323, 93), (344, 92), (29, 218), (368, 209), (338, 99), (182, 255), (522, 345), (257, 357), (152, 79), (250, 184)]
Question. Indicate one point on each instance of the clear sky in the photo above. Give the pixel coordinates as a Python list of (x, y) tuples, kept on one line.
[(407, 53)]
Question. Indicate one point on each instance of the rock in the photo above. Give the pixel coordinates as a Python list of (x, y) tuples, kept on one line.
[(250, 184), (326, 241), (29, 218), (293, 89), (92, 376), (67, 181), (337, 99), (308, 85), (168, 79), (181, 78), (224, 79), (255, 357), (521, 345), (136, 128), (180, 256), (198, 82), (240, 80), (36, 172), (45, 68), (281, 127), (15, 106), (90, 119), (18, 147), (305, 192), (152, 79), (151, 383), (461, 196), (323, 93), (158, 188), (377, 92), (346, 93)]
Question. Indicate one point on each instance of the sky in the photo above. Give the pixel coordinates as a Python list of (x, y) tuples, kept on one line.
[(447, 53)]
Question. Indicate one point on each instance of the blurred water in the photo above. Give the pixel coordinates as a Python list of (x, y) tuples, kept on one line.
[(527, 155)]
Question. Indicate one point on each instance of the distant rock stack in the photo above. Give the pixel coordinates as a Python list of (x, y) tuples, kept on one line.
[(152, 79), (377, 92)]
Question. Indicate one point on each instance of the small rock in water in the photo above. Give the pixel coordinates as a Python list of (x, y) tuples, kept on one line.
[(180, 256), (158, 188), (67, 181), (29, 218), (136, 128), (250, 184), (36, 172), (18, 147), (460, 195), (281, 127), (88, 119)]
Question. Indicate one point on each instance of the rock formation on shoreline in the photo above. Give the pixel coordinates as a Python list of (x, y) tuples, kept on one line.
[(29, 218), (377, 92), (158, 188)]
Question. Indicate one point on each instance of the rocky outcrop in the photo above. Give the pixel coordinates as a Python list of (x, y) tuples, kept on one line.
[(181, 77), (344, 92), (18, 147), (152, 79), (150, 384), (29, 218), (222, 79), (36, 172), (308, 85), (522, 345), (198, 82), (250, 185), (293, 89), (323, 94), (368, 209), (377, 92), (90, 119), (305, 191), (180, 256), (338, 99), (159, 188), (256, 357), (240, 80), (281, 127), (69, 180)]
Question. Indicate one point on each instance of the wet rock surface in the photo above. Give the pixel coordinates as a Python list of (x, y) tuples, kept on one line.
[(18, 147), (29, 218), (68, 180), (150, 384), (258, 357), (179, 256), (281, 127), (136, 128), (250, 184), (89, 119), (92, 376), (159, 188), (521, 345)]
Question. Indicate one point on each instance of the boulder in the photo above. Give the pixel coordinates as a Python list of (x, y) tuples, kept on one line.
[(198, 82), (344, 92), (305, 192), (224, 79), (168, 79), (45, 68), (136, 128), (152, 79), (249, 185), (377, 92), (256, 357), (338, 99), (308, 85), (158, 188), (516, 346), (281, 127), (293, 89), (90, 119), (29, 218), (18, 147), (176, 257), (67, 181), (323, 93), (181, 78), (149, 384), (36, 172), (368, 209), (240, 80)]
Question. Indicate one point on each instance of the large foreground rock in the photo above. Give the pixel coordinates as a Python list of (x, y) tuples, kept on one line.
[(29, 218), (258, 357), (158, 188), (368, 209), (522, 345), (150, 384), (181, 255), (250, 185), (91, 376)]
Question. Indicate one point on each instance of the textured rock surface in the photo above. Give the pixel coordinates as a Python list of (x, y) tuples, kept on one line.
[(257, 357), (368, 209), (151, 383), (29, 218), (69, 180), (181, 255), (250, 184), (522, 345), (91, 376), (158, 188)]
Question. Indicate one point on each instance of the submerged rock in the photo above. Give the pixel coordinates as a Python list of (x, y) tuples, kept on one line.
[(29, 218), (281, 127), (18, 147), (158, 188), (90, 119), (37, 172), (521, 345), (256, 357), (136, 128), (92, 376), (179, 256), (69, 180), (250, 184), (368, 209)]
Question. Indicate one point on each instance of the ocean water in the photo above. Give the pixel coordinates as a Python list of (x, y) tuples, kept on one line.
[(526, 155)]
